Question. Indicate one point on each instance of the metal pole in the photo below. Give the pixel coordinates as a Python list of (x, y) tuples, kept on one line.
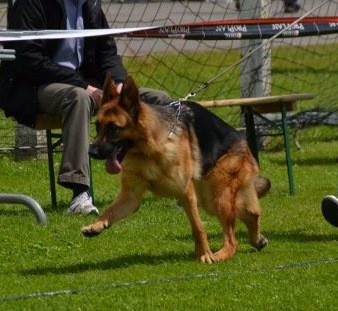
[(29, 202)]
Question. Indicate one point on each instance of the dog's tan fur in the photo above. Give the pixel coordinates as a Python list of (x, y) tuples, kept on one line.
[(170, 165)]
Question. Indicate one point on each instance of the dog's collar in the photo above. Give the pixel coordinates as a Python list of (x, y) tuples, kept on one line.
[(177, 106)]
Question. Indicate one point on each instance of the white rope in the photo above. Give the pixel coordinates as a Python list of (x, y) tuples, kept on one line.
[(16, 35)]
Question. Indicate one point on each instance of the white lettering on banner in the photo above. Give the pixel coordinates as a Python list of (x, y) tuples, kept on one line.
[(231, 28), (177, 36), (239, 28), (291, 33), (333, 25), (175, 30), (299, 26), (236, 35)]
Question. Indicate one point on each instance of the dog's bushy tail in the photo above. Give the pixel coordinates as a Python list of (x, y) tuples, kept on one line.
[(262, 186)]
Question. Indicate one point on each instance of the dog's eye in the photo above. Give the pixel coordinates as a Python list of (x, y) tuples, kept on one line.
[(97, 127), (112, 129)]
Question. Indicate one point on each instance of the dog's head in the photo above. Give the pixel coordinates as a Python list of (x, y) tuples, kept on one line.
[(115, 123)]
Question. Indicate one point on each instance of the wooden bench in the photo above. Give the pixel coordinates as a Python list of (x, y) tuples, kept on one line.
[(257, 106)]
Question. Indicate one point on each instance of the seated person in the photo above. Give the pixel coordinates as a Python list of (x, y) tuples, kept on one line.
[(63, 77)]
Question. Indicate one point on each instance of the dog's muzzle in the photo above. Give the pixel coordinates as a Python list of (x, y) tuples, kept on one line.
[(112, 152), (101, 151)]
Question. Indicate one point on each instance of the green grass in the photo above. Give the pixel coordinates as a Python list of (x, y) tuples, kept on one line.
[(146, 262)]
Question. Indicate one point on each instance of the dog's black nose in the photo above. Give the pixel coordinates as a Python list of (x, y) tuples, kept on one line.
[(96, 152)]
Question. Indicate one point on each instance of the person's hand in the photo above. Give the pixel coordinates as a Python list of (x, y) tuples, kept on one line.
[(95, 94), (119, 87)]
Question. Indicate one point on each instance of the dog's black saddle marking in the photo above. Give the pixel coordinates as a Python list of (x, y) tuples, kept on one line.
[(215, 136)]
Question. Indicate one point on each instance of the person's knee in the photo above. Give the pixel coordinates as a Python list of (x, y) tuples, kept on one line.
[(80, 95), (154, 96), (79, 99)]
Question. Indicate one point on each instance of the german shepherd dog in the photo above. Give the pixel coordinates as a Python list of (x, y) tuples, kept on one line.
[(183, 151)]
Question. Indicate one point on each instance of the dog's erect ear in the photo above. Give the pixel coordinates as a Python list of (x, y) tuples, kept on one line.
[(130, 91), (130, 97), (109, 89)]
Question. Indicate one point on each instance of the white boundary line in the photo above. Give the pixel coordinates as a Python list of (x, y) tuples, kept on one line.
[(173, 279)]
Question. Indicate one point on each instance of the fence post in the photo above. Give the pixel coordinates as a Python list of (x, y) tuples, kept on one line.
[(256, 69), (29, 143)]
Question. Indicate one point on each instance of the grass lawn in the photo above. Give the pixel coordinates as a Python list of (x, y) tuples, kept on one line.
[(146, 262)]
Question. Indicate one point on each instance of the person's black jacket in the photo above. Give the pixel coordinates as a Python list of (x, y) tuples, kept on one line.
[(33, 66)]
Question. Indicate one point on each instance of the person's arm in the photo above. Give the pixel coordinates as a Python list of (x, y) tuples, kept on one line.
[(107, 57), (32, 61)]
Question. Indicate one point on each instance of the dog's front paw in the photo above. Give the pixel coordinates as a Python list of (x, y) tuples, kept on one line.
[(94, 229), (205, 256), (262, 243)]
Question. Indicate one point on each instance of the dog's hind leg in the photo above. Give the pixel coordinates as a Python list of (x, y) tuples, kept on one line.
[(189, 203), (224, 204), (249, 212), (124, 205)]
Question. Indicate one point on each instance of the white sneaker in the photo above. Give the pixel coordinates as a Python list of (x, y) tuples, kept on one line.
[(82, 204)]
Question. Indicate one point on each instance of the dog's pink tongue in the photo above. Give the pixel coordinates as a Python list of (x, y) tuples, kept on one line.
[(113, 166)]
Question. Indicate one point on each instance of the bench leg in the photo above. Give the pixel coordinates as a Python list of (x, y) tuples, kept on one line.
[(251, 131), (51, 167), (91, 181), (287, 150)]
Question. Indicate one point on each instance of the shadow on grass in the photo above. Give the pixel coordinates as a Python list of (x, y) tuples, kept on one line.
[(300, 236), (309, 161), (113, 263), (277, 236), (127, 261)]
